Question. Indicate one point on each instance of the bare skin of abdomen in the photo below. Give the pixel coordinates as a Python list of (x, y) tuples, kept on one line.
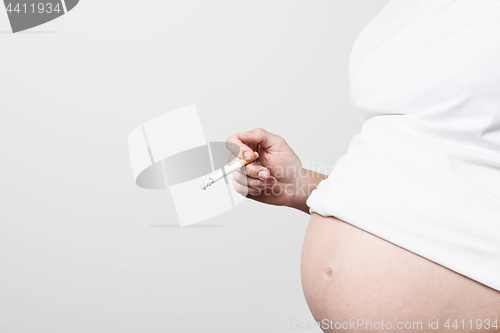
[(351, 276)]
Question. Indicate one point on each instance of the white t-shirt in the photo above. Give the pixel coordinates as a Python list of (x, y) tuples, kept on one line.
[(424, 173)]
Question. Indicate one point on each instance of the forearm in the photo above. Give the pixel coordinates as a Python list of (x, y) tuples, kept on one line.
[(308, 180)]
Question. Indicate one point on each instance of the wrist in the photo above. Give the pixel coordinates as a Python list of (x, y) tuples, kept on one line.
[(307, 181)]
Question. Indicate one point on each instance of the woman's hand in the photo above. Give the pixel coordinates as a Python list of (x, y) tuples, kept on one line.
[(275, 177)]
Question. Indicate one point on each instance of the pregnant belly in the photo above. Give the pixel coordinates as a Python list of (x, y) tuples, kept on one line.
[(354, 281)]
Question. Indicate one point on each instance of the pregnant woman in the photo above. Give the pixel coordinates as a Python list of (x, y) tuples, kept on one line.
[(404, 233)]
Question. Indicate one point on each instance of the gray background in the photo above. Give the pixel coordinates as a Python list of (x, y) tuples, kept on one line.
[(82, 249)]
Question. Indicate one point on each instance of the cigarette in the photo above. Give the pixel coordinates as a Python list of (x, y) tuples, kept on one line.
[(226, 170)]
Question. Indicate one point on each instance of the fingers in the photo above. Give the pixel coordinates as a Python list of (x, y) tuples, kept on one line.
[(248, 185), (239, 149), (257, 171), (255, 176), (254, 170), (245, 190), (259, 136), (259, 186), (248, 181), (244, 144)]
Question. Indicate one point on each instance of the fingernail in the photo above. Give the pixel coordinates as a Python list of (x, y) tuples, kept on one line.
[(271, 182), (247, 155), (262, 174)]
